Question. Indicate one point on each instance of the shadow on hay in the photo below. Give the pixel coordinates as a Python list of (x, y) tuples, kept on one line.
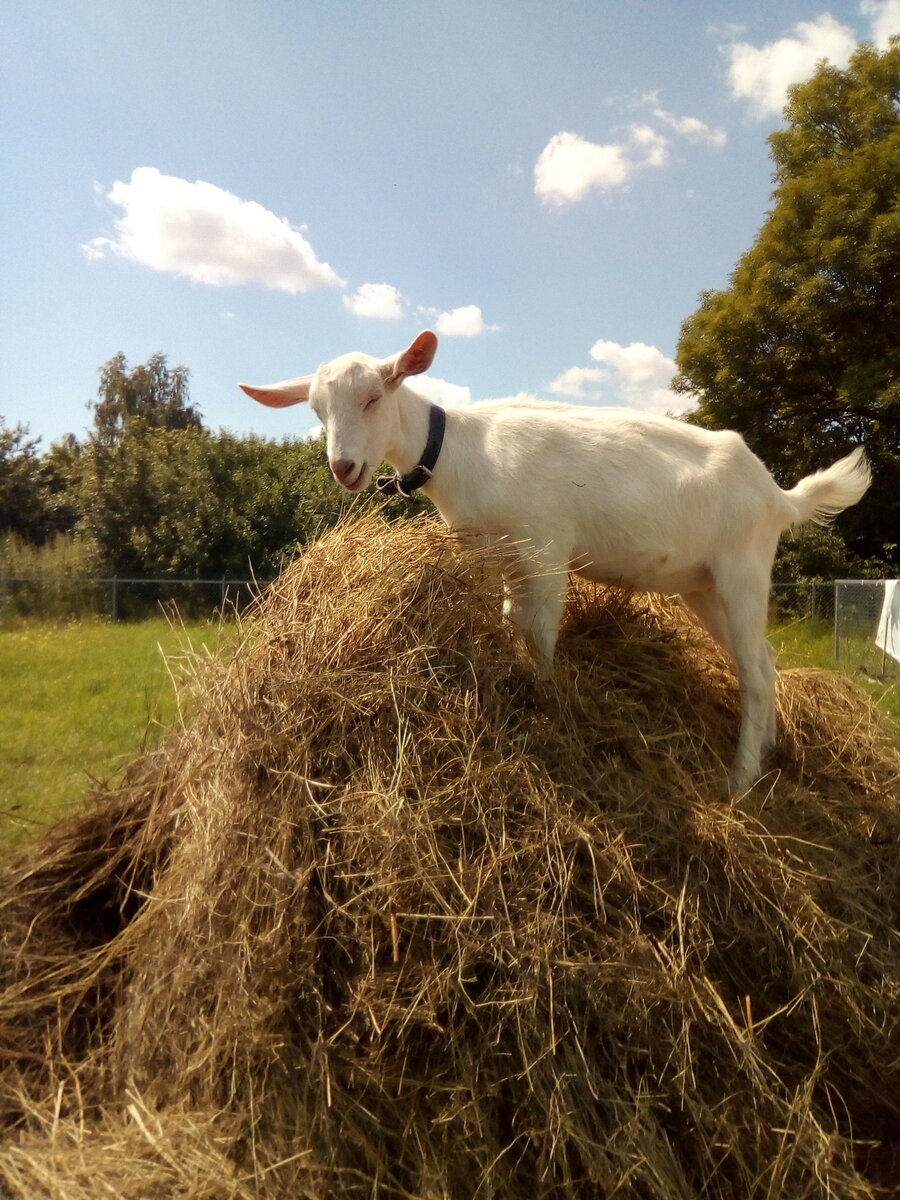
[(389, 917)]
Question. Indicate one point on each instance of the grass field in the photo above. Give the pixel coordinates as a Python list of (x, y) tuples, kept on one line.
[(811, 644), (77, 703)]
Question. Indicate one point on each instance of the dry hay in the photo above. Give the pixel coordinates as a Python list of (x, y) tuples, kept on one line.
[(389, 918)]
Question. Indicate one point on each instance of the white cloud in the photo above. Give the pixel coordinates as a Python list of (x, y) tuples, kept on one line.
[(691, 128), (580, 383), (762, 75), (640, 363), (439, 391), (209, 235), (652, 145), (381, 301), (466, 321), (884, 18), (570, 167), (634, 376)]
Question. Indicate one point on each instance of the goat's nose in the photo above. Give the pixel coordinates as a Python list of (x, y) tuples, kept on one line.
[(343, 469)]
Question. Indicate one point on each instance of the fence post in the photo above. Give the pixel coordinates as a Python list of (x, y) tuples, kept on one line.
[(837, 617), (115, 606)]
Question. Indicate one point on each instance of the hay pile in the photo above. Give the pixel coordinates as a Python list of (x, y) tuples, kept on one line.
[(389, 918)]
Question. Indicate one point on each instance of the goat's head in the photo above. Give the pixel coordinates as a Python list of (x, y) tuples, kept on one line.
[(355, 398)]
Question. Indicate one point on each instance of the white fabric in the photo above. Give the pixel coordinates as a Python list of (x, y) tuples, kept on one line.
[(888, 636)]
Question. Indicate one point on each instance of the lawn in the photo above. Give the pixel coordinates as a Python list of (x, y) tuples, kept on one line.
[(77, 703)]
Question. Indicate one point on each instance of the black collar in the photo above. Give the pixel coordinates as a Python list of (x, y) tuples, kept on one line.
[(405, 485)]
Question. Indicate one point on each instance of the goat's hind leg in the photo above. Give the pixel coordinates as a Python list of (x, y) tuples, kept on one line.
[(737, 621), (746, 609), (770, 737)]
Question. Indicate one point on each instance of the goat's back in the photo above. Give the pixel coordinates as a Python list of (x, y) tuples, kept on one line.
[(620, 463), (646, 500)]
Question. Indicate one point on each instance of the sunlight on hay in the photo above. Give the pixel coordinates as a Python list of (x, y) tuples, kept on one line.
[(387, 916)]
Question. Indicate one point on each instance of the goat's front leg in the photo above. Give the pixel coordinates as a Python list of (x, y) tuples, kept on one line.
[(535, 603)]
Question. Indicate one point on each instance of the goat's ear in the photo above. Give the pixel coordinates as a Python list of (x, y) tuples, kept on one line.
[(415, 359), (280, 395)]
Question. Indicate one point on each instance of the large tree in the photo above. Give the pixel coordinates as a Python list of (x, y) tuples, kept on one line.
[(149, 396), (801, 353), (126, 480)]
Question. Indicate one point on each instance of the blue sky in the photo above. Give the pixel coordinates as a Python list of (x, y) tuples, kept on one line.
[(254, 188)]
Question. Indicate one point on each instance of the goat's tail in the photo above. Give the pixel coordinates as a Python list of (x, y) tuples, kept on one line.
[(821, 496)]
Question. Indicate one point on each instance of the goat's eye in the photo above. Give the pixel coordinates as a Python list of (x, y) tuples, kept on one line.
[(371, 402)]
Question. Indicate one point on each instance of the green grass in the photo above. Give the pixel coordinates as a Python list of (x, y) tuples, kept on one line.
[(811, 644), (77, 703)]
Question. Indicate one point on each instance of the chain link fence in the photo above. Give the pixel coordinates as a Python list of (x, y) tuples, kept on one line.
[(69, 598), (801, 602), (867, 626), (853, 608)]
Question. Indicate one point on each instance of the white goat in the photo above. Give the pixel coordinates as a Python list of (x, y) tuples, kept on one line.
[(621, 497)]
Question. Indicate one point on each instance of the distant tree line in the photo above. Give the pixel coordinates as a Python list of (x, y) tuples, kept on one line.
[(800, 354), (151, 492)]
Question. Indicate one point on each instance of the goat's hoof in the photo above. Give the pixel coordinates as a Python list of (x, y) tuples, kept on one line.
[(740, 783)]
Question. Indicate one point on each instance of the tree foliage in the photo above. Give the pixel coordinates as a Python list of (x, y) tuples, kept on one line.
[(151, 396), (36, 499), (21, 506), (801, 353)]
